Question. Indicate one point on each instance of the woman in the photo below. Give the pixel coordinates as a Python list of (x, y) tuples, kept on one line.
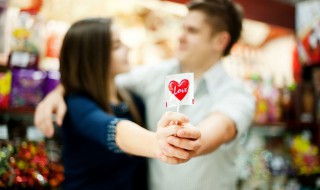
[(97, 121)]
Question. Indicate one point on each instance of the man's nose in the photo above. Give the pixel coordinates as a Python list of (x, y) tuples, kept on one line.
[(182, 37)]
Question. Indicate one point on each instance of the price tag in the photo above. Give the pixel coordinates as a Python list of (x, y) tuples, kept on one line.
[(34, 134), (3, 132), (20, 59)]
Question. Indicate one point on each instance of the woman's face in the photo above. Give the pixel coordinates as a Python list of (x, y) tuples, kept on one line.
[(119, 54)]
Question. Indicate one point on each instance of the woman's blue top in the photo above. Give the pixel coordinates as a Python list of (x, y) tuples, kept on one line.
[(90, 156)]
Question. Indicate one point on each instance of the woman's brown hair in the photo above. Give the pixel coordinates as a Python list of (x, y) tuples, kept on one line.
[(85, 59)]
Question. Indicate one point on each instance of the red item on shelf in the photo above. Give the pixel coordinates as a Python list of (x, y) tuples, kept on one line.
[(33, 8), (53, 46), (180, 1), (5, 87), (296, 65)]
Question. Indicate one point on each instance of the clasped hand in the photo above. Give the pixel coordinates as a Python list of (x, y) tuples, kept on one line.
[(178, 139)]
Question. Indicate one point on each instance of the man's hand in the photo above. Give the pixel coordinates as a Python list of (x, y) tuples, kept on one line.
[(177, 142), (53, 103)]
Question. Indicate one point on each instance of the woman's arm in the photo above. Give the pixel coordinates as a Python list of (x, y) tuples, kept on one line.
[(133, 139), (215, 130), (86, 119)]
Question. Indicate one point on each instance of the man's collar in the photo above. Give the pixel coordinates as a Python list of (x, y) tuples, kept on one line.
[(210, 79), (175, 69), (213, 77)]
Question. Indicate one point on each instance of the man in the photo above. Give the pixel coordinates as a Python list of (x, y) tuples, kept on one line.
[(223, 109)]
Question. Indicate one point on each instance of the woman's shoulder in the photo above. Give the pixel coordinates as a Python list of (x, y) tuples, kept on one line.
[(137, 100), (80, 97), (80, 100)]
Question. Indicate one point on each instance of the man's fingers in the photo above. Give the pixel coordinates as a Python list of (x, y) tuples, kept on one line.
[(168, 117), (49, 132), (42, 120), (61, 111), (186, 144), (47, 120), (170, 130), (189, 132), (38, 120), (37, 116)]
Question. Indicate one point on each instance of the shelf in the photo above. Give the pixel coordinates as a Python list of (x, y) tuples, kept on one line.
[(297, 124), (18, 111), (268, 130), (274, 129), (18, 114), (269, 124), (288, 125)]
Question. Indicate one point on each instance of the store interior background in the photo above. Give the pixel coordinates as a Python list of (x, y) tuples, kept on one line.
[(272, 59)]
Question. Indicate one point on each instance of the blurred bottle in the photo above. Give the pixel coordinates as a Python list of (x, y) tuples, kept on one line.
[(307, 102), (273, 97), (316, 84), (261, 115), (287, 93)]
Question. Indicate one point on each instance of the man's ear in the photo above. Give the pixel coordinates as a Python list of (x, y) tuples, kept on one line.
[(221, 40)]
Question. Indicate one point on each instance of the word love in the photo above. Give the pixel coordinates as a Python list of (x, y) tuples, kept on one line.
[(180, 90)]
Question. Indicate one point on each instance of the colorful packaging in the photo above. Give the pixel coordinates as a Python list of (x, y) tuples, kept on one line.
[(27, 88), (52, 80), (5, 86)]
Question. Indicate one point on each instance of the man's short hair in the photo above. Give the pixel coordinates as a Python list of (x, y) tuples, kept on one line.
[(221, 15)]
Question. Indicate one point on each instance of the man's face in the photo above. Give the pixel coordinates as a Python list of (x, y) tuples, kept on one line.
[(196, 39)]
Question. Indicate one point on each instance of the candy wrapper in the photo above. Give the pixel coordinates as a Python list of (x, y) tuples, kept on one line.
[(5, 86), (179, 90), (305, 155), (26, 165), (52, 80), (27, 88)]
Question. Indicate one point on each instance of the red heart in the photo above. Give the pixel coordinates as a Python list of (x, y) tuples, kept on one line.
[(179, 90)]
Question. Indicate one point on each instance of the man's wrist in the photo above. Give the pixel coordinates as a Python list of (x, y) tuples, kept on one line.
[(60, 89)]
